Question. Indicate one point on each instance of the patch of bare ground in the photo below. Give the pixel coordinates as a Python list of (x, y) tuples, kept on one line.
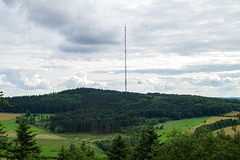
[(8, 116)]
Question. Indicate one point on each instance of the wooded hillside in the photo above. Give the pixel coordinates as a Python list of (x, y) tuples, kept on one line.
[(105, 111)]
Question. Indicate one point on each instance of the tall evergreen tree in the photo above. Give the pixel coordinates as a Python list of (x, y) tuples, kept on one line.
[(147, 138), (24, 143), (119, 149), (4, 143)]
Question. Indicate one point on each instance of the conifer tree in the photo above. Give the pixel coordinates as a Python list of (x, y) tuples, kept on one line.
[(24, 143), (4, 144), (147, 138), (118, 150)]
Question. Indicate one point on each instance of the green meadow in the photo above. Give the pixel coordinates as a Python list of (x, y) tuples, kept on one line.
[(51, 143), (182, 125)]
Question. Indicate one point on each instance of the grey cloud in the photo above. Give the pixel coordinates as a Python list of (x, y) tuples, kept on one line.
[(9, 2), (228, 89), (48, 14), (182, 27), (93, 38), (80, 23), (190, 27), (215, 81), (186, 69), (77, 48), (192, 69), (208, 82), (232, 75)]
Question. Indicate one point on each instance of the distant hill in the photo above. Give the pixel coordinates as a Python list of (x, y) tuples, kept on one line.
[(230, 97), (105, 111)]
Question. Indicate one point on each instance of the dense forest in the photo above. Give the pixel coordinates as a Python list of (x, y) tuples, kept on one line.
[(106, 111)]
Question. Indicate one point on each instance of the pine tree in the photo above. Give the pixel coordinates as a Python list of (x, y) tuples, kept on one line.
[(4, 143), (147, 138), (62, 155), (118, 150), (24, 143)]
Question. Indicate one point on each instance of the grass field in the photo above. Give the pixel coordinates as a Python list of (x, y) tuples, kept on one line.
[(182, 125), (50, 143), (166, 124), (209, 121), (8, 116)]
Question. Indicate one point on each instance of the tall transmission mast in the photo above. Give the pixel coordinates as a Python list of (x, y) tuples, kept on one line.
[(125, 40)]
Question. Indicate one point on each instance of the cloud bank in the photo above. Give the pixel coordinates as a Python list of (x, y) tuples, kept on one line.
[(183, 47)]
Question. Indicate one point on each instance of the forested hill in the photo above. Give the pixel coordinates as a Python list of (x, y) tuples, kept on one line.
[(95, 110)]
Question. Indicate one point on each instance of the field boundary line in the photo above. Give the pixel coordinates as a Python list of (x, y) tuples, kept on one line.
[(96, 148), (169, 126)]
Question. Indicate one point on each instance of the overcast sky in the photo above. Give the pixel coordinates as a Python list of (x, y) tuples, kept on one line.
[(173, 46)]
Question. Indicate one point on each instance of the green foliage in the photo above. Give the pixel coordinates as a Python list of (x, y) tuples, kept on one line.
[(2, 101), (28, 113), (103, 111), (205, 145), (11, 125), (119, 149), (218, 125), (76, 153), (143, 148), (182, 125), (24, 143), (104, 145), (4, 143)]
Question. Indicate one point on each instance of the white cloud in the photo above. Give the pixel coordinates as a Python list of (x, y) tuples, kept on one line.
[(1, 79), (172, 46), (33, 81), (80, 80)]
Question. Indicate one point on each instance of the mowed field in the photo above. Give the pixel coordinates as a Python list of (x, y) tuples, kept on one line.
[(8, 116), (50, 143), (190, 125), (211, 120), (182, 125)]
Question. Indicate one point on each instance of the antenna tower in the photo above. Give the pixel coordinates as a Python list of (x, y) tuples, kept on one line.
[(125, 40)]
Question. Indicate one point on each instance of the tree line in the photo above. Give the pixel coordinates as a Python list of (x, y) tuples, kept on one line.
[(217, 125), (106, 111)]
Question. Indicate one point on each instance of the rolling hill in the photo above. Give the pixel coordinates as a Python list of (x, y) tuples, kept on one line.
[(106, 111)]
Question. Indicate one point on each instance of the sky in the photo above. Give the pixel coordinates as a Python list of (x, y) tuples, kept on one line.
[(175, 46)]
